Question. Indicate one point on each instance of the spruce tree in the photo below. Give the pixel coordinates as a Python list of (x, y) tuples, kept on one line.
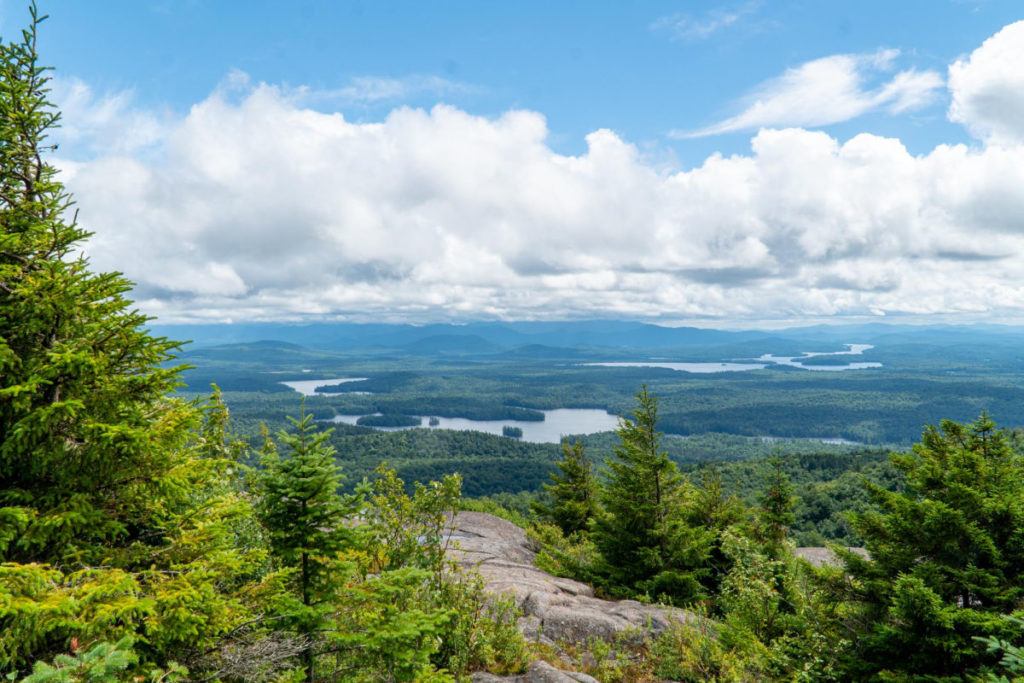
[(946, 557), (775, 512), (572, 495), (714, 512), (116, 514), (647, 547), (86, 433), (307, 521)]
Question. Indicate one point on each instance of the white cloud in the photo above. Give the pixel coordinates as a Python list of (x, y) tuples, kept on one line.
[(259, 207), (688, 27), (828, 90), (378, 89), (109, 122), (988, 87)]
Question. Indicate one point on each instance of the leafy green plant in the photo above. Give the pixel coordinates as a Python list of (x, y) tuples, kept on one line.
[(405, 530), (694, 652), (101, 662), (493, 506), (388, 628), (575, 557)]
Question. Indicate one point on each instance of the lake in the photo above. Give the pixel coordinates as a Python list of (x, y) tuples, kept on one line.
[(699, 368), (851, 350), (831, 440), (307, 387), (557, 423), (759, 363)]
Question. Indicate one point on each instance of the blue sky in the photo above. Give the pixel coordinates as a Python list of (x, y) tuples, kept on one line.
[(733, 161), (640, 68)]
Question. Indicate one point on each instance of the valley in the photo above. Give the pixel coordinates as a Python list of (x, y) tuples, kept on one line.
[(881, 390), (441, 397)]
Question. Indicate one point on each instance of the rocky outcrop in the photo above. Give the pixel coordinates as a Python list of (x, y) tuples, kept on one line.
[(822, 557), (557, 610), (554, 609), (538, 672)]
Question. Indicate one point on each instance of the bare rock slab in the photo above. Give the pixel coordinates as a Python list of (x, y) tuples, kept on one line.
[(539, 672), (554, 608)]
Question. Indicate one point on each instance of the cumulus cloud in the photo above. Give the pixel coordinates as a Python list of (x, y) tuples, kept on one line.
[(105, 122), (988, 87), (829, 90), (260, 207)]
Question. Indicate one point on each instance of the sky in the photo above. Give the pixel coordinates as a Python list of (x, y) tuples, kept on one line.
[(721, 163)]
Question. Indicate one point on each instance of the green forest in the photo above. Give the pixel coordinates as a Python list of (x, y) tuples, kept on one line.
[(934, 595), (156, 528), (923, 378)]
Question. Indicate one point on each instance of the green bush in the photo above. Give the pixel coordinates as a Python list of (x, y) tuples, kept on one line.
[(694, 653)]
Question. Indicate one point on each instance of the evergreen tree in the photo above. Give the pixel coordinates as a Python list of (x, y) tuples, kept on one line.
[(307, 521), (87, 434), (715, 513), (128, 549), (113, 516), (776, 511), (946, 557), (572, 495), (646, 544), (775, 516)]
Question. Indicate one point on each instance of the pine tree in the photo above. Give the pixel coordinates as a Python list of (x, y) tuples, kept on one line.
[(946, 557), (307, 520), (572, 495), (645, 543)]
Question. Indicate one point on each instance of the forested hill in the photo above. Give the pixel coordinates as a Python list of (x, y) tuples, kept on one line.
[(493, 337), (500, 335)]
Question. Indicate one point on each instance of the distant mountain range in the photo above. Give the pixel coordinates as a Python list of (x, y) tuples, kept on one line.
[(568, 339)]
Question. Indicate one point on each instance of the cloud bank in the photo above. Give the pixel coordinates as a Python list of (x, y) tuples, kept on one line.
[(255, 206)]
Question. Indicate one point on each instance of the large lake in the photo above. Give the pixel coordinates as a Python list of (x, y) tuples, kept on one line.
[(307, 387), (758, 363), (557, 423)]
